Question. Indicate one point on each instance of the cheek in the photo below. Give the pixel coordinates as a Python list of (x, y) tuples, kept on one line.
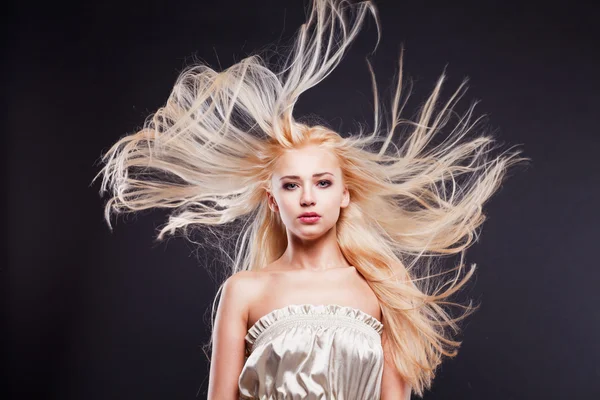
[(331, 206), (285, 205), (335, 200)]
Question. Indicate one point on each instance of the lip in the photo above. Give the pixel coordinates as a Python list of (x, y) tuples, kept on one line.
[(309, 218), (309, 214)]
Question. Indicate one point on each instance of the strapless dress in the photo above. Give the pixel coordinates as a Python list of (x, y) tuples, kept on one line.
[(306, 351)]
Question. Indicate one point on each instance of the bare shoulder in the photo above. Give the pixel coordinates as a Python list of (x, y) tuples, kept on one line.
[(239, 285), (242, 288), (249, 278), (240, 278)]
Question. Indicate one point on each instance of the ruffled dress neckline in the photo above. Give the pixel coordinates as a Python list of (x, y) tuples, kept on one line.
[(326, 314)]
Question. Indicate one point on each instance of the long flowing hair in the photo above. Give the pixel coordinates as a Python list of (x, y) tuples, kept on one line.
[(208, 154)]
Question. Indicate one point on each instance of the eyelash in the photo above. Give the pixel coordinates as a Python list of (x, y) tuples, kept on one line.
[(285, 185)]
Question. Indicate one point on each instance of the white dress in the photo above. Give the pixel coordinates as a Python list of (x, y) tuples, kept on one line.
[(306, 351)]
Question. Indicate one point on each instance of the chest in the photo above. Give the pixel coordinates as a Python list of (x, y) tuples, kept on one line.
[(279, 290)]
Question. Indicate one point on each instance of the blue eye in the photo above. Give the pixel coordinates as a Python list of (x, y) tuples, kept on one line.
[(327, 183)]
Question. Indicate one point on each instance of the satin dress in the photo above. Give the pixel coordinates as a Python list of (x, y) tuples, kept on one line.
[(305, 351)]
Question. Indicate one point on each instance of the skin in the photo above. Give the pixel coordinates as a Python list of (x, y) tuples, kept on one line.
[(317, 186)]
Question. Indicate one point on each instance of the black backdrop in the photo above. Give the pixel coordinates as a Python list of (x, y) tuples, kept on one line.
[(97, 315)]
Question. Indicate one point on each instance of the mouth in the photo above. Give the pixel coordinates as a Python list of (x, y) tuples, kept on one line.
[(309, 214), (309, 217)]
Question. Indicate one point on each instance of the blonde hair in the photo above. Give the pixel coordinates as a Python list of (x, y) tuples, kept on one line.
[(208, 153)]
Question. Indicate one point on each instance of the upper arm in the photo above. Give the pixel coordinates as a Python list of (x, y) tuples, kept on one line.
[(393, 387), (228, 348)]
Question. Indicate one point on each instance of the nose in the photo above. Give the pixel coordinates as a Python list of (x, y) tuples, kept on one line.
[(307, 198)]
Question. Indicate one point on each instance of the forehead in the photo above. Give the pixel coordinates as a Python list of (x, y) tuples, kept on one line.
[(306, 160)]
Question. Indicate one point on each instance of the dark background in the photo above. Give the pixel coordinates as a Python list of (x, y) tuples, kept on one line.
[(98, 315)]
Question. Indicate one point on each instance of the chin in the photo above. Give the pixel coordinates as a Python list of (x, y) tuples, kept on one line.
[(310, 232), (309, 235)]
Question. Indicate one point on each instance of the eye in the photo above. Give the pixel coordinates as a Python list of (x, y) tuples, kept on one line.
[(323, 184)]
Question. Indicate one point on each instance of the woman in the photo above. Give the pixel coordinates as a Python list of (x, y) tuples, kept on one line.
[(334, 291)]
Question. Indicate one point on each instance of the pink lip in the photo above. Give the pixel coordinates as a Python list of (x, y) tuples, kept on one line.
[(309, 218), (312, 214)]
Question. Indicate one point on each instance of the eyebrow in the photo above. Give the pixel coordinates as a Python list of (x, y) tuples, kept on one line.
[(297, 177)]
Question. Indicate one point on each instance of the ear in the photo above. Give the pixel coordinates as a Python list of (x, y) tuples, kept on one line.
[(345, 197), (271, 202)]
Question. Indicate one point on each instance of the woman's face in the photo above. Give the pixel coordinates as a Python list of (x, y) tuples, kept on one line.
[(308, 180)]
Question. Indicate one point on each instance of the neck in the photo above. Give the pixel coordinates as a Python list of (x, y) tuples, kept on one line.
[(317, 254)]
